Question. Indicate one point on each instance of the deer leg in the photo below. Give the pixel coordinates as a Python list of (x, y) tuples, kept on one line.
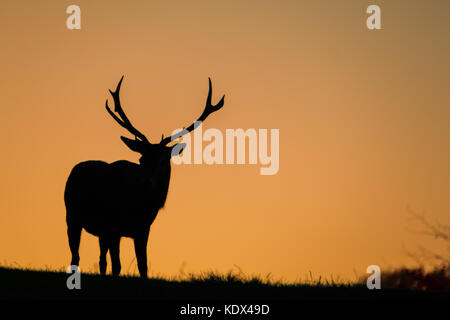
[(74, 235), (114, 251), (103, 251), (140, 247)]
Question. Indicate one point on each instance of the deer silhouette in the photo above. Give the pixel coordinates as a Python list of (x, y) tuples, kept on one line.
[(122, 199)]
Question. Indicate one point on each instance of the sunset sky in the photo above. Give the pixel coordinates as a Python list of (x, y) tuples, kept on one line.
[(363, 118)]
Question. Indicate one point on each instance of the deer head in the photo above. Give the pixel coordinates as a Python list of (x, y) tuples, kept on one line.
[(154, 156)]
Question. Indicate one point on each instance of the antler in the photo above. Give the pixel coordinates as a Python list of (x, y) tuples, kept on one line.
[(209, 108), (123, 120)]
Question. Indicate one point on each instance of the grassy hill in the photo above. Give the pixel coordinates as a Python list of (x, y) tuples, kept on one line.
[(30, 284)]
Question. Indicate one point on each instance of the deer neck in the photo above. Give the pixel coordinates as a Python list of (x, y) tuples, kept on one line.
[(153, 179)]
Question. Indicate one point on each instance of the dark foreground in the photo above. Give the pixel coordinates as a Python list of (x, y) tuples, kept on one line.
[(39, 285), (207, 297)]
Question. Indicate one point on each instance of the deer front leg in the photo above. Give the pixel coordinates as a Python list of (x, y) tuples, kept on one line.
[(114, 251), (103, 251), (140, 247)]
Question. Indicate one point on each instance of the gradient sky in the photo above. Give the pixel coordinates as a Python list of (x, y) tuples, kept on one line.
[(364, 121)]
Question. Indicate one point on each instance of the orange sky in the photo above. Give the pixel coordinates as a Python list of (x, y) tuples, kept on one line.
[(363, 117)]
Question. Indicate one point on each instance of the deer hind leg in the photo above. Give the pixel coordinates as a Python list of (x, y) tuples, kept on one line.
[(74, 235), (114, 251), (103, 251)]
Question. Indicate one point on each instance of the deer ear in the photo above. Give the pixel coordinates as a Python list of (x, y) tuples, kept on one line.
[(135, 145), (177, 149)]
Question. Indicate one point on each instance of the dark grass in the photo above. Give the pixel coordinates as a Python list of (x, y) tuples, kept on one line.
[(32, 284), (437, 279)]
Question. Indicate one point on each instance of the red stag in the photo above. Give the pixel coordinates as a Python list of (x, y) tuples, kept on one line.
[(122, 199)]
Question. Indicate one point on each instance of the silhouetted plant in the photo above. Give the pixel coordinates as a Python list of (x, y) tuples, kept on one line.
[(437, 278)]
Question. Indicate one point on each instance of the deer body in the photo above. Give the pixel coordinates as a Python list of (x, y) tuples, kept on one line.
[(118, 198), (122, 199)]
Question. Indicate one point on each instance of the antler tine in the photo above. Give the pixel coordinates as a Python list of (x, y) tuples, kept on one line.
[(123, 120), (209, 108)]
